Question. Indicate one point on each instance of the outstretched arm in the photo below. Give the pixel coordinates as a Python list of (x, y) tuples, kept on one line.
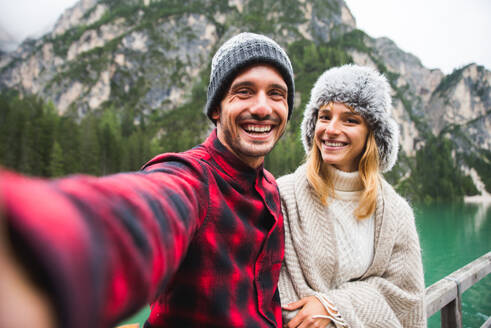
[(103, 247)]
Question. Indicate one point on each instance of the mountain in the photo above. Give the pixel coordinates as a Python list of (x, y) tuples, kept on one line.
[(149, 60), (7, 41), (96, 42)]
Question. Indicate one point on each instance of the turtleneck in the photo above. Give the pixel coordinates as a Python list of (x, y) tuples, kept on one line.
[(347, 185), (354, 237)]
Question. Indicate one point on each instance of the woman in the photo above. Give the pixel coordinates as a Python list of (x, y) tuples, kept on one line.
[(352, 254)]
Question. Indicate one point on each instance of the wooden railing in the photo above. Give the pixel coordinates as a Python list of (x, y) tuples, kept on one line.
[(446, 294)]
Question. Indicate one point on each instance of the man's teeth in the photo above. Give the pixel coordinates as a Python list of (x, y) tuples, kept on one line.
[(333, 144), (258, 128)]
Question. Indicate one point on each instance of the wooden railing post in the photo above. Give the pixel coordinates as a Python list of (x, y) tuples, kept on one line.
[(451, 314), (446, 294)]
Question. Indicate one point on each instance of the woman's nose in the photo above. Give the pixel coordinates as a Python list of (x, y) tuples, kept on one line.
[(332, 127)]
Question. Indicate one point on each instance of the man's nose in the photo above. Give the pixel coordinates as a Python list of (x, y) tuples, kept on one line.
[(261, 106)]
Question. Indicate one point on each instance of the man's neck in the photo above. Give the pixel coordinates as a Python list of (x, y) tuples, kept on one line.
[(251, 161)]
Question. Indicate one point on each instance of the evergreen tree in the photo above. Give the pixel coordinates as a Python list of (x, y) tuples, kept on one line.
[(48, 122), (139, 149), (109, 136), (56, 163), (89, 146), (69, 139), (436, 176), (13, 135), (4, 125)]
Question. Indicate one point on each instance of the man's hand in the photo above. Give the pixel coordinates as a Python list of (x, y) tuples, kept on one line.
[(310, 306), (22, 303)]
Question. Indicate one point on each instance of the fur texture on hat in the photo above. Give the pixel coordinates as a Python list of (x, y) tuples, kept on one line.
[(368, 93), (241, 51)]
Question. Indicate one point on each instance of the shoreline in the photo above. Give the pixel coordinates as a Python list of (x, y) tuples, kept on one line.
[(481, 199), (484, 197)]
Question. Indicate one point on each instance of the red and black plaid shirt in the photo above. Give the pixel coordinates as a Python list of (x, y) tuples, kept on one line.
[(199, 233)]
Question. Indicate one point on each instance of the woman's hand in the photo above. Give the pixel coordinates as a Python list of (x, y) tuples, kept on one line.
[(310, 306)]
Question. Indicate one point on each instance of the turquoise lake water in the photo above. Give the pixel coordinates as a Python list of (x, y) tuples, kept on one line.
[(451, 235)]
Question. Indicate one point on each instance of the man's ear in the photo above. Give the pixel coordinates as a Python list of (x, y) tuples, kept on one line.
[(215, 114)]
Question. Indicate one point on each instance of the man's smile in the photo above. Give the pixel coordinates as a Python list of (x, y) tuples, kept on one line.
[(254, 128)]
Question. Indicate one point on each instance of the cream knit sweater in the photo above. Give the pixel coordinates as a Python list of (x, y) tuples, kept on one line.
[(354, 237), (390, 291)]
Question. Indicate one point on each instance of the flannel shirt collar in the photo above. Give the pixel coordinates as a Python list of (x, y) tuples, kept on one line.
[(230, 163)]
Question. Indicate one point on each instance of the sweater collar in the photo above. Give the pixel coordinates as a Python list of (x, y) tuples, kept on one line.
[(345, 181), (229, 162)]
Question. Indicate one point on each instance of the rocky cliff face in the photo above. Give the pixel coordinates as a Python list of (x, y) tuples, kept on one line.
[(146, 56), (463, 99), (94, 50), (85, 12), (428, 101)]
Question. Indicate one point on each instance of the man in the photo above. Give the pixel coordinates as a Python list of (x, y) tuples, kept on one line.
[(199, 233)]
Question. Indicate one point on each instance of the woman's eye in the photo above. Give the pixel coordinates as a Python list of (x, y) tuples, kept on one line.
[(353, 121)]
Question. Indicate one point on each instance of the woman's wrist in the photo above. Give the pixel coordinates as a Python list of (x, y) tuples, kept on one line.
[(333, 313)]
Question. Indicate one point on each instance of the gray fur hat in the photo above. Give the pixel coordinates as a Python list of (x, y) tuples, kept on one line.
[(368, 93), (243, 50)]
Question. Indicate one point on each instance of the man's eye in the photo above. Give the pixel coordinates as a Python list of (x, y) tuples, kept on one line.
[(277, 93)]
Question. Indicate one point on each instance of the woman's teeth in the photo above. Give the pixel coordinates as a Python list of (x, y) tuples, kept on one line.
[(333, 144)]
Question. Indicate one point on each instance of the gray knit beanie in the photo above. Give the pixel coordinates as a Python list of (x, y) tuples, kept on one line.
[(368, 93), (239, 52)]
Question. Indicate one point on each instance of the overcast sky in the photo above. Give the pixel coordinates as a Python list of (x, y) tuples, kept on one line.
[(444, 34), (23, 18)]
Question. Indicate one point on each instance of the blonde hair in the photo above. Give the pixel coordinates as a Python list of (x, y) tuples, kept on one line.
[(368, 167)]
